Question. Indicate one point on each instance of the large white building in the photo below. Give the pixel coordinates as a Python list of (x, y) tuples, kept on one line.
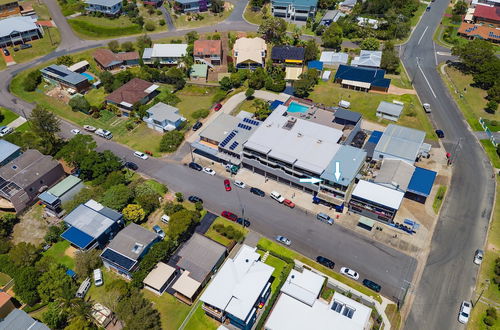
[(165, 54)]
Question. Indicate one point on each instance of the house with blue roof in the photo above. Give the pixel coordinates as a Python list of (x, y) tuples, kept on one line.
[(362, 79), (294, 10), (91, 225), (191, 6), (8, 151), (106, 7)]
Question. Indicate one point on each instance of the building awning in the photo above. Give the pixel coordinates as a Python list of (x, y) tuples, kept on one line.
[(204, 148), (48, 198), (185, 285), (293, 61), (356, 83), (77, 237), (367, 222)]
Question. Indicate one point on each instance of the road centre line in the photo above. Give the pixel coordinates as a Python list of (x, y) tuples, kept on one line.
[(419, 40), (427, 81)]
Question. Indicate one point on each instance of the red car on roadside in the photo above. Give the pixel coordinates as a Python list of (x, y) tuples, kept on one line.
[(289, 203), (217, 107), (227, 185), (229, 215)]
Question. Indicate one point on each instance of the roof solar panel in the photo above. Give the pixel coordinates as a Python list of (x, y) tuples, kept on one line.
[(233, 145), (118, 259)]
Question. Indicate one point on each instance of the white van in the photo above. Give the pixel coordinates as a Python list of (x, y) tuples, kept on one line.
[(165, 219), (98, 277), (277, 196), (84, 287)]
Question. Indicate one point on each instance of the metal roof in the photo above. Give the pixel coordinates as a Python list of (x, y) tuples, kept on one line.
[(304, 286), (400, 142), (20, 320), (378, 194), (7, 149), (132, 241), (318, 65), (422, 181), (334, 58), (395, 173), (347, 115), (199, 70), (77, 237), (161, 112), (63, 73), (159, 276), (90, 218), (368, 75), (16, 24), (350, 160), (297, 3), (105, 3), (148, 53), (47, 197), (169, 50), (371, 58), (287, 52), (64, 186), (220, 127), (389, 108)]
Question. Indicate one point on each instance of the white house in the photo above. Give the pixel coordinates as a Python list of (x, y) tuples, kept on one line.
[(368, 59), (163, 117), (165, 54)]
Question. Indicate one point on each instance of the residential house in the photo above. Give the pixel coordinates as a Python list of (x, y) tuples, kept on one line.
[(240, 285), (60, 75), (346, 6), (289, 55), (197, 261), (368, 22), (331, 16), (333, 58), (486, 2), (300, 307), (9, 8), (398, 142), (368, 59), (473, 31), (20, 320), (91, 225), (199, 72), (79, 67), (249, 53), (154, 3), (23, 178), (107, 60), (62, 192), (159, 278), (18, 30), (362, 79), (487, 15), (125, 251), (395, 174), (390, 110), (8, 152), (106, 7), (295, 10), (163, 117), (191, 6), (6, 305), (136, 91), (208, 52), (164, 54)]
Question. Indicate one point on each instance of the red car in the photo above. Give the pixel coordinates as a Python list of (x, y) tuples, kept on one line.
[(227, 185), (289, 203), (229, 215), (217, 107)]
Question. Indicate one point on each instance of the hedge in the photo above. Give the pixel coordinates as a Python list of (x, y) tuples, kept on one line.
[(100, 31), (35, 307), (288, 260)]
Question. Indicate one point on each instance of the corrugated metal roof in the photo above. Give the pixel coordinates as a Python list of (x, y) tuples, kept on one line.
[(400, 142), (368, 75), (106, 3), (389, 108), (62, 187), (422, 181), (350, 160), (20, 320), (395, 173), (17, 24), (378, 194), (7, 149)]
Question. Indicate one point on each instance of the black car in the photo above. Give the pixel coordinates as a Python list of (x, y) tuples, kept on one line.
[(195, 199), (5, 51), (195, 166), (25, 46), (197, 126), (243, 222), (132, 166), (16, 49), (440, 133), (257, 192), (325, 262), (372, 285)]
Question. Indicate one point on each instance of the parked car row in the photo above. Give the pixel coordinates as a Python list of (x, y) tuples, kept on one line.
[(233, 217), (99, 131)]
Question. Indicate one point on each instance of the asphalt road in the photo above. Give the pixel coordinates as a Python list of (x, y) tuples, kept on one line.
[(449, 275)]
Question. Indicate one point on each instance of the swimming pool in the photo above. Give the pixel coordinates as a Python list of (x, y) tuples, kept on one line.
[(89, 77), (296, 107)]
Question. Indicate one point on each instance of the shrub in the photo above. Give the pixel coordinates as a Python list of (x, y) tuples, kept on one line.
[(171, 141), (179, 197), (201, 113), (32, 80), (171, 208), (149, 26), (218, 96), (489, 321), (162, 22)]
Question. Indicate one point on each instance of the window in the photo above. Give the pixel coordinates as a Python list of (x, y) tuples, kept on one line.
[(137, 247), (348, 312), (337, 306)]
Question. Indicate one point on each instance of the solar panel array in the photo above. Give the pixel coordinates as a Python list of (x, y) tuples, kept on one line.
[(468, 30), (493, 35), (55, 71), (233, 145), (247, 127), (228, 138), (251, 121)]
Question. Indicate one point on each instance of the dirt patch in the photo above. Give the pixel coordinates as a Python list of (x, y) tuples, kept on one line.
[(59, 94), (32, 226), (70, 252)]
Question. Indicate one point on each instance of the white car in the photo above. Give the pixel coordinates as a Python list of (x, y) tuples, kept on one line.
[(478, 257), (277, 196), (463, 315), (283, 240), (240, 184), (208, 170), (4, 130), (349, 273), (98, 277), (140, 155), (165, 218), (75, 131)]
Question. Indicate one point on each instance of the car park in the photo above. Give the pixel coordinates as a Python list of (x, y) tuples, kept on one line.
[(217, 107), (478, 256), (197, 126), (257, 192), (165, 219), (157, 229), (98, 277), (140, 155), (372, 285), (243, 222), (229, 215), (325, 218), (465, 309), (208, 171), (195, 166), (195, 199), (289, 203), (325, 262), (240, 184), (227, 185), (4, 130), (440, 133), (277, 196), (349, 273), (131, 166), (283, 240), (75, 131), (427, 107)]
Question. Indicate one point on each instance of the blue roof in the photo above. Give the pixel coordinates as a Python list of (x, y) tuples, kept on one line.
[(275, 104), (77, 237), (118, 259), (350, 160), (375, 137), (318, 65), (47, 197), (296, 3), (422, 181), (373, 76), (7, 149), (71, 273)]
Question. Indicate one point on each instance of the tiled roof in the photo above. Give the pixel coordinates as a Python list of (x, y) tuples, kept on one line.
[(132, 92), (207, 47), (106, 58), (488, 12), (479, 31)]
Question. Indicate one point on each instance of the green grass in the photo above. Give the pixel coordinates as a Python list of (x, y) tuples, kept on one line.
[(278, 266), (23, 127), (154, 17), (400, 80), (42, 11), (438, 200), (281, 250), (209, 18), (4, 279), (172, 311), (470, 100), (255, 17), (491, 152), (212, 234), (158, 187), (110, 280), (102, 27), (246, 105), (193, 98), (329, 93), (392, 313), (200, 321), (327, 293), (95, 96), (57, 252), (418, 13), (9, 116)]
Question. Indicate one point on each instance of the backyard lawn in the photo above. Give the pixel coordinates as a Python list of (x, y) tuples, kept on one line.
[(212, 234), (194, 98), (172, 311), (278, 266), (200, 321), (4, 279), (491, 152), (208, 18), (57, 251), (102, 27), (330, 94), (8, 116), (246, 105)]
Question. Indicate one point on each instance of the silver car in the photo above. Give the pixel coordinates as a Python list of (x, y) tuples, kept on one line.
[(283, 240), (478, 257)]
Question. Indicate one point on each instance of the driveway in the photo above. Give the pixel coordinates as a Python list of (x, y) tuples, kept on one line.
[(206, 222)]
